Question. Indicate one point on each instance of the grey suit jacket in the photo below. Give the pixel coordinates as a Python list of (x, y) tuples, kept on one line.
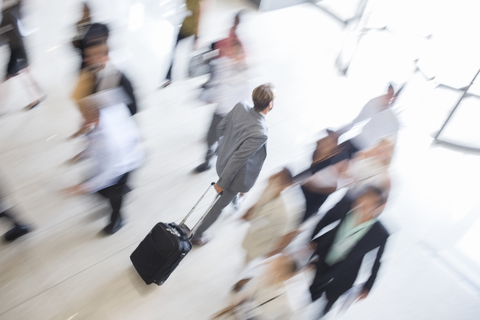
[(242, 148)]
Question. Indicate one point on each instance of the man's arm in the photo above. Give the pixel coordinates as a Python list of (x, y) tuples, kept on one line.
[(248, 148)]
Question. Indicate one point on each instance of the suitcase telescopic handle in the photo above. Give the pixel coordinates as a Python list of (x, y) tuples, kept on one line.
[(192, 231), (196, 204)]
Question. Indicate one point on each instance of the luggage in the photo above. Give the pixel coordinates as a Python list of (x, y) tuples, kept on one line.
[(157, 256)]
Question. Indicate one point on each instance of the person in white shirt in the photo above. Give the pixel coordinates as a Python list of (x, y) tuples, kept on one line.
[(382, 122), (114, 147)]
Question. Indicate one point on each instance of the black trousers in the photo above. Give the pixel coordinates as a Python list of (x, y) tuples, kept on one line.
[(321, 284), (212, 137), (180, 37), (115, 195), (313, 202), (18, 55)]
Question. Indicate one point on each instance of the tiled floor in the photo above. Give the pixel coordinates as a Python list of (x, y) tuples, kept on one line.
[(66, 270)]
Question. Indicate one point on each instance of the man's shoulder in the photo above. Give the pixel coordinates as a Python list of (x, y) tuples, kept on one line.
[(380, 230), (242, 106)]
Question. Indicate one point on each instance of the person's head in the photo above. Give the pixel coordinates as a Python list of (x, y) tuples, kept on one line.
[(390, 97), (262, 97), (96, 55), (282, 179), (370, 202)]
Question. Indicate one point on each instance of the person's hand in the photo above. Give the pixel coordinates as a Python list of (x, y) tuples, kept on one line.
[(247, 214), (75, 190), (218, 188), (363, 295)]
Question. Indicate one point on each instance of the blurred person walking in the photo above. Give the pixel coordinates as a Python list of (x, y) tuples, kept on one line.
[(230, 47), (103, 81), (270, 221), (88, 32), (262, 295), (18, 63), (341, 250), (228, 86), (188, 28), (323, 183), (382, 122), (114, 147), (242, 150)]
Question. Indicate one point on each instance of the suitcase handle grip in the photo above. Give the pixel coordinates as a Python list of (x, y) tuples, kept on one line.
[(196, 204)]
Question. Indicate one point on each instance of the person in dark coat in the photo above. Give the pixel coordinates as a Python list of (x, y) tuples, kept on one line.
[(341, 250), (18, 62)]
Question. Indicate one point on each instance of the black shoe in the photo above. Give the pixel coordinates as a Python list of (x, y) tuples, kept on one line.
[(203, 167), (16, 233), (113, 227)]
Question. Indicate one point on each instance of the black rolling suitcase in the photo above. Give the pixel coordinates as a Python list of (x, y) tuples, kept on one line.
[(157, 256)]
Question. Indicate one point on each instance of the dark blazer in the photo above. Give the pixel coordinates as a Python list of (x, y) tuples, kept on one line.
[(345, 272)]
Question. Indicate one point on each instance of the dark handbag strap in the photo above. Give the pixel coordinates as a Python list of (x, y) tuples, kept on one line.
[(321, 164), (269, 300)]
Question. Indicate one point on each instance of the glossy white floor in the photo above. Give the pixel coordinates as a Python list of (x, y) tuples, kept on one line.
[(66, 270)]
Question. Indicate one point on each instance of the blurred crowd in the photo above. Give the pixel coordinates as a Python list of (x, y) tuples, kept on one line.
[(337, 248)]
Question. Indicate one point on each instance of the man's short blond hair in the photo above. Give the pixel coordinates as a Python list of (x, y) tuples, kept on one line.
[(262, 96)]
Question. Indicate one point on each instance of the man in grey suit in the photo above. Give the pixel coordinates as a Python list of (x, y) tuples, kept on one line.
[(243, 134)]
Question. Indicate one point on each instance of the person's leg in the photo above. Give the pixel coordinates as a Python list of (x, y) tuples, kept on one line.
[(331, 298), (320, 281), (115, 195), (32, 85), (313, 202), (213, 215), (168, 77), (17, 231), (212, 137), (211, 141), (12, 69)]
